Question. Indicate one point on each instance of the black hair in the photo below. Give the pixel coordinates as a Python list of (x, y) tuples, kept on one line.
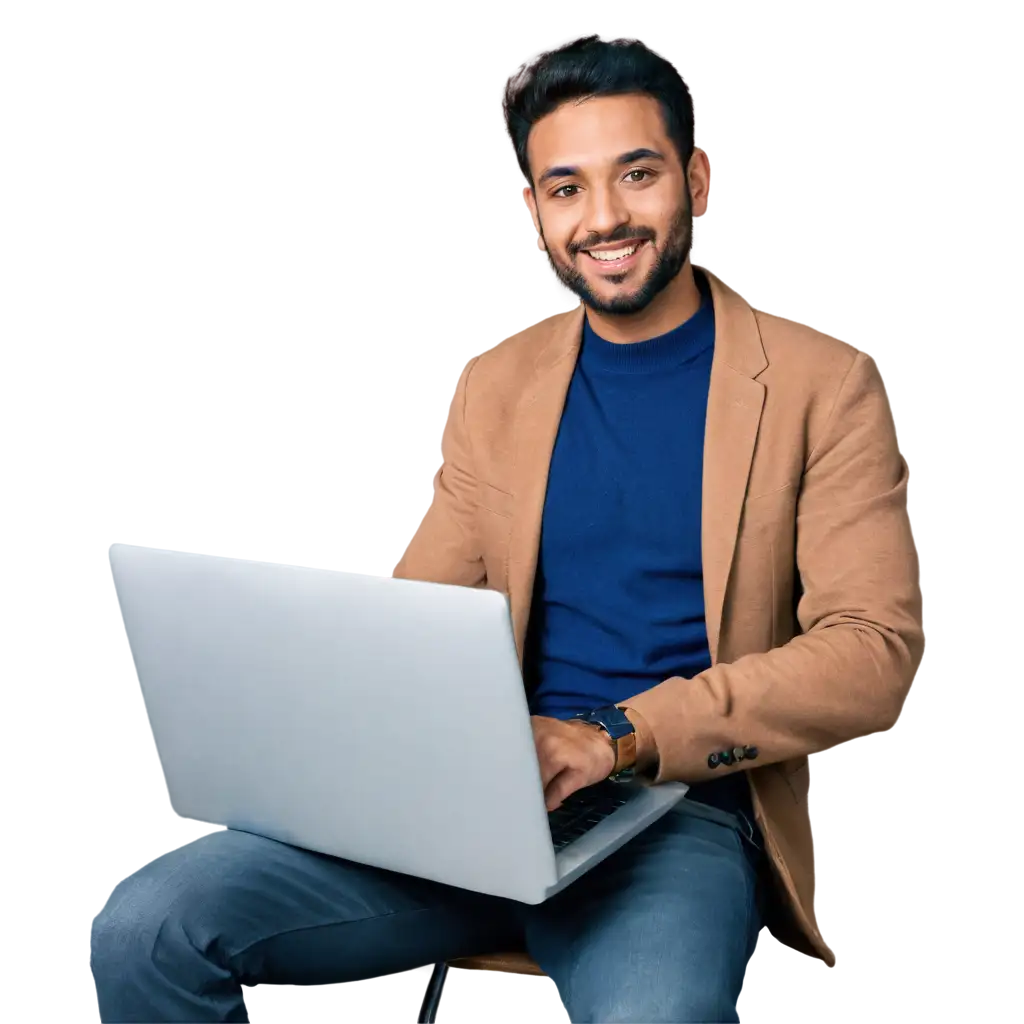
[(590, 66)]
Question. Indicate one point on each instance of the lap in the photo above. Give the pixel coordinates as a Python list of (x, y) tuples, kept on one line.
[(275, 913), (661, 930)]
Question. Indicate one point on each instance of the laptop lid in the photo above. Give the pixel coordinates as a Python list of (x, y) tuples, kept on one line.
[(383, 720)]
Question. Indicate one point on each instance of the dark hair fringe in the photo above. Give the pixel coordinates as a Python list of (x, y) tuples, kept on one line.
[(588, 67)]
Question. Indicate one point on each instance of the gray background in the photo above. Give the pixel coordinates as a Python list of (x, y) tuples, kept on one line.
[(241, 254)]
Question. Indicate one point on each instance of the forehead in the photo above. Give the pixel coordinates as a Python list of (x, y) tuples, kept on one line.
[(596, 131)]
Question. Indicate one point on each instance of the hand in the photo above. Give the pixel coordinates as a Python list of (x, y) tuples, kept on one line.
[(572, 754)]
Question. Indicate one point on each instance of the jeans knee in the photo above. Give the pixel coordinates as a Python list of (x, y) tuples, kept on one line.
[(694, 1005), (669, 1013), (126, 926), (148, 921)]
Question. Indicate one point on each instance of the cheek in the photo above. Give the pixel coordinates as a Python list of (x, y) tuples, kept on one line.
[(559, 246), (560, 227)]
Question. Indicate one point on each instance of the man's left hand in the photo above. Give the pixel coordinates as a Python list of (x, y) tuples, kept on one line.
[(572, 754)]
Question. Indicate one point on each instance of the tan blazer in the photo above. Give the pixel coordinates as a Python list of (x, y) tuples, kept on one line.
[(811, 591)]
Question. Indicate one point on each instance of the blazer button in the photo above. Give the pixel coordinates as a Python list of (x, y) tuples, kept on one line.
[(713, 761), (739, 753), (750, 752), (725, 757)]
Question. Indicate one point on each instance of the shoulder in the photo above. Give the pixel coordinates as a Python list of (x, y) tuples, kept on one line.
[(811, 369), (813, 380), (500, 373), (800, 352)]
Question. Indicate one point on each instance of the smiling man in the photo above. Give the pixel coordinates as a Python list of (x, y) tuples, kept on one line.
[(698, 511)]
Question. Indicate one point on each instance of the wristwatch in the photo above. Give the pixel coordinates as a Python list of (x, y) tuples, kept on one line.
[(622, 733)]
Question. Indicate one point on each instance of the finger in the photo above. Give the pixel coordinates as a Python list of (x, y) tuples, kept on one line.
[(552, 758), (563, 785), (550, 768)]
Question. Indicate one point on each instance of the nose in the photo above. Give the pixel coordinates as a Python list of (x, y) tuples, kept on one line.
[(605, 211)]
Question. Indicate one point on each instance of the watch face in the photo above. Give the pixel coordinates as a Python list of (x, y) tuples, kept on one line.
[(613, 719)]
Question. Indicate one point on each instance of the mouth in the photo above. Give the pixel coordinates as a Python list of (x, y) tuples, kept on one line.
[(612, 260)]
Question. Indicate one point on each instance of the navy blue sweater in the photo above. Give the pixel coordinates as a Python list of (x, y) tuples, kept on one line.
[(618, 602)]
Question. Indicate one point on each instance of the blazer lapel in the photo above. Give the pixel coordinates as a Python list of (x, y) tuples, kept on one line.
[(735, 401), (538, 415)]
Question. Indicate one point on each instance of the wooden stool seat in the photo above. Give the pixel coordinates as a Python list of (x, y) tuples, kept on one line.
[(515, 962)]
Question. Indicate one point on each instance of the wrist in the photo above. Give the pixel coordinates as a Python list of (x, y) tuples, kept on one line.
[(618, 738), (647, 759)]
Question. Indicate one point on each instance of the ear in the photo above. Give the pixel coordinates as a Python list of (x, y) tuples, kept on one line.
[(531, 204), (527, 203), (699, 175)]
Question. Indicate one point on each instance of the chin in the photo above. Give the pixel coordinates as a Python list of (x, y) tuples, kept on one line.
[(615, 292), (613, 288)]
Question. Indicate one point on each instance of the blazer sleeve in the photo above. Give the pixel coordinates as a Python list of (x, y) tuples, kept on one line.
[(847, 672), (445, 547)]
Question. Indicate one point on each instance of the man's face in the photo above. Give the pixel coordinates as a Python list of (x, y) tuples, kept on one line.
[(610, 200)]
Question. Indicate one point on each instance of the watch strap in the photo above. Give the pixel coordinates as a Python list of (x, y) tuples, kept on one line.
[(625, 758), (622, 734)]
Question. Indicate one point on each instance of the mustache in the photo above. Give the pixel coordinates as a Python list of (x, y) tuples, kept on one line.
[(620, 234)]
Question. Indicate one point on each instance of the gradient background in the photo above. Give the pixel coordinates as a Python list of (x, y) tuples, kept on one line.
[(245, 250)]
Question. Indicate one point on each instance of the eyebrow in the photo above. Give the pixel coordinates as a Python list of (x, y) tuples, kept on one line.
[(566, 171)]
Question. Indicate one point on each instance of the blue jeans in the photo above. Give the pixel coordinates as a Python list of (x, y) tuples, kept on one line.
[(661, 930)]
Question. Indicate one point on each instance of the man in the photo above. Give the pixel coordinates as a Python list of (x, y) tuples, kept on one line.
[(698, 511)]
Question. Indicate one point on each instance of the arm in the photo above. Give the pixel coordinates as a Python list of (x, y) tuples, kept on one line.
[(848, 672), (445, 547)]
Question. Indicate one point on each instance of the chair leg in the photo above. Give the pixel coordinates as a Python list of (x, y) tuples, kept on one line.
[(433, 994)]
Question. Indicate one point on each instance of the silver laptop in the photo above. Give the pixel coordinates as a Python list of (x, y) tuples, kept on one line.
[(377, 719)]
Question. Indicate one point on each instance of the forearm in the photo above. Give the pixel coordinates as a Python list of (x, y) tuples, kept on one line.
[(820, 689)]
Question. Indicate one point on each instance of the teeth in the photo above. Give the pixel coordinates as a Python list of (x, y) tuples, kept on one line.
[(614, 254)]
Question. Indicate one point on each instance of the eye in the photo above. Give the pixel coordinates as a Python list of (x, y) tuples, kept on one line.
[(637, 170), (562, 189)]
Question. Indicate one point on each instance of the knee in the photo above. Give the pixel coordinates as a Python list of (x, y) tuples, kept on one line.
[(126, 929), (158, 945), (692, 1004), (671, 1012), (158, 920)]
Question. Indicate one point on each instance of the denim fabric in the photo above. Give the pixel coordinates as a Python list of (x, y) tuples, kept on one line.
[(661, 930)]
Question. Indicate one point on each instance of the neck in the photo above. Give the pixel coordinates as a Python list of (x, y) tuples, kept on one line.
[(667, 310)]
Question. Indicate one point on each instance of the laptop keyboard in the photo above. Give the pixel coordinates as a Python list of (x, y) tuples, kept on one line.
[(582, 810)]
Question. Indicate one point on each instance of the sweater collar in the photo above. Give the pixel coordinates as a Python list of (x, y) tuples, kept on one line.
[(674, 348)]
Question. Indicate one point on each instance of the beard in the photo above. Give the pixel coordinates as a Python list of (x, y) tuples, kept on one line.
[(667, 263)]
